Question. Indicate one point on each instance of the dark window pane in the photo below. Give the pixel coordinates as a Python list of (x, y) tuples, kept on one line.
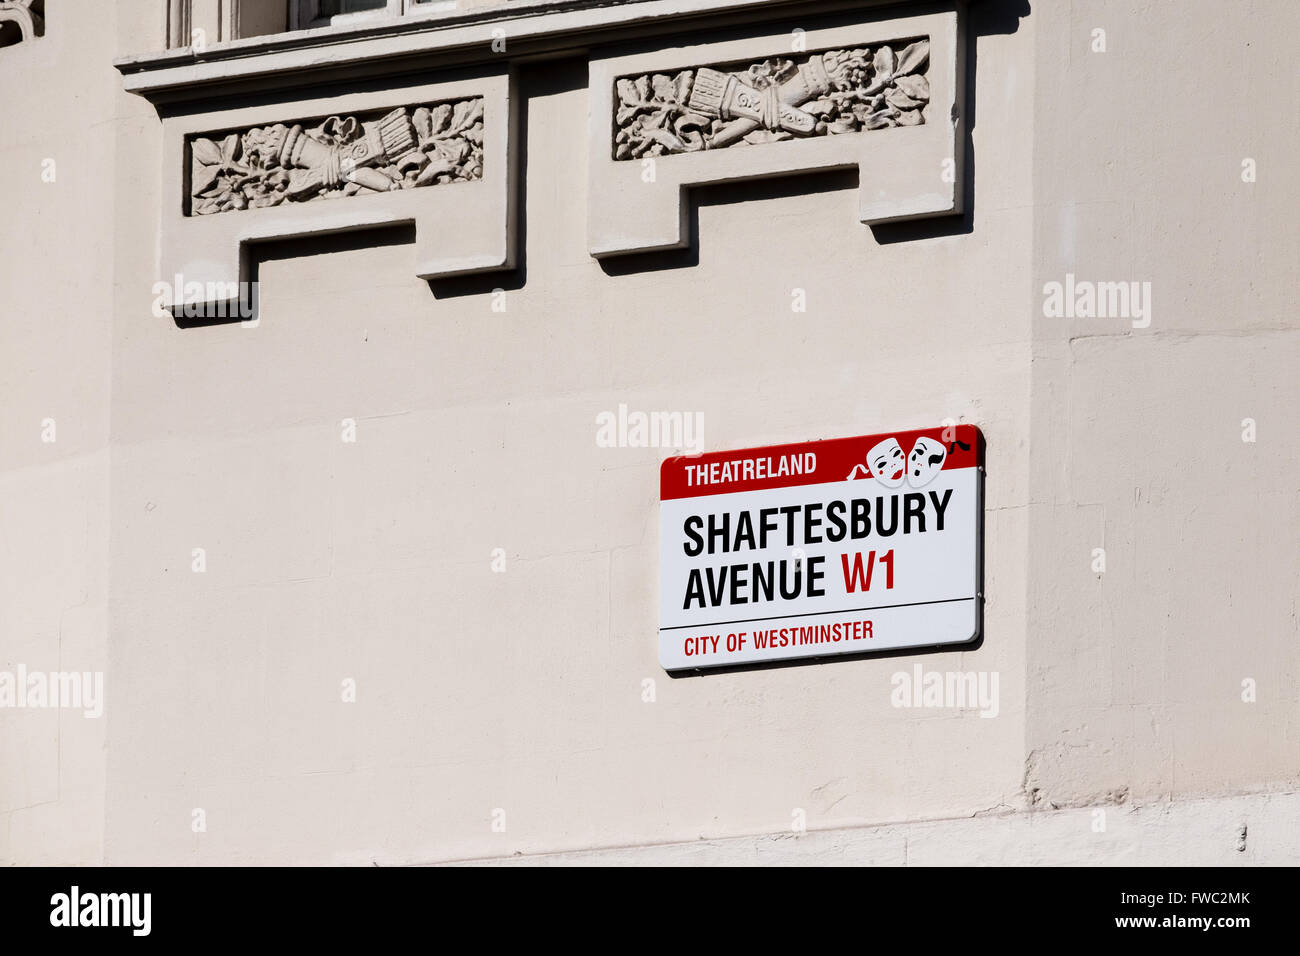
[(330, 8)]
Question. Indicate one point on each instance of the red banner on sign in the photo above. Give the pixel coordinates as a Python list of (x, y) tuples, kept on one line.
[(891, 454)]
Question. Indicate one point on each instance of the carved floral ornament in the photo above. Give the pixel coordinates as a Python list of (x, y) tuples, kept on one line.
[(369, 153), (831, 93)]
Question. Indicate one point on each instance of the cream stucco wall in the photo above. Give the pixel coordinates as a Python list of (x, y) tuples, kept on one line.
[(523, 690), (1136, 674), (56, 276)]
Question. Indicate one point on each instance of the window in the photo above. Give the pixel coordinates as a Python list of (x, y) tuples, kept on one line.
[(335, 7), (194, 23), (324, 13), (203, 23)]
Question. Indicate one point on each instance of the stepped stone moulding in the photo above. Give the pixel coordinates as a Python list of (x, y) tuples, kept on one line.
[(439, 156), (21, 20), (883, 96)]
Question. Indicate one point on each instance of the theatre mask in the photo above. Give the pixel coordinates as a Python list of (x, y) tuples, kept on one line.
[(886, 463), (925, 461)]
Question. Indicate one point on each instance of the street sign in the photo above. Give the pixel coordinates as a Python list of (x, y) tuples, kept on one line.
[(846, 546)]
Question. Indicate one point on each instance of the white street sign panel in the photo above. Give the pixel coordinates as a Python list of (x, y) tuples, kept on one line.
[(847, 546)]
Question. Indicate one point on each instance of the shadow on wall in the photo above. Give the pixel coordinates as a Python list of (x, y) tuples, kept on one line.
[(987, 18), (306, 246), (542, 79)]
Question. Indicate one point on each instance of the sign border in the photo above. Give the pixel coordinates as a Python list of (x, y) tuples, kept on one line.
[(973, 643)]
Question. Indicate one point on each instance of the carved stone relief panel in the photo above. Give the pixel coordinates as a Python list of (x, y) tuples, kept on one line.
[(339, 156), (438, 155), (884, 96), (827, 94)]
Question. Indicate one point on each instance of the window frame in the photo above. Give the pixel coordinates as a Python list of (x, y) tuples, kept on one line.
[(222, 18), (305, 14)]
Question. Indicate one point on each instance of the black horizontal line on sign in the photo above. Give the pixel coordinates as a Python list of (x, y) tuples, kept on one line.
[(851, 610)]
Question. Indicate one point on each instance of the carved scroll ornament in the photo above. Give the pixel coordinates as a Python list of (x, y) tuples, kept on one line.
[(838, 91), (404, 148)]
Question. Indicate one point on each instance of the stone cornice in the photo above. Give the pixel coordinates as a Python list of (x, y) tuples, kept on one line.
[(532, 28)]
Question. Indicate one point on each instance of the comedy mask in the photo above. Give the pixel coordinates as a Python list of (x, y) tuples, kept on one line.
[(886, 463)]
